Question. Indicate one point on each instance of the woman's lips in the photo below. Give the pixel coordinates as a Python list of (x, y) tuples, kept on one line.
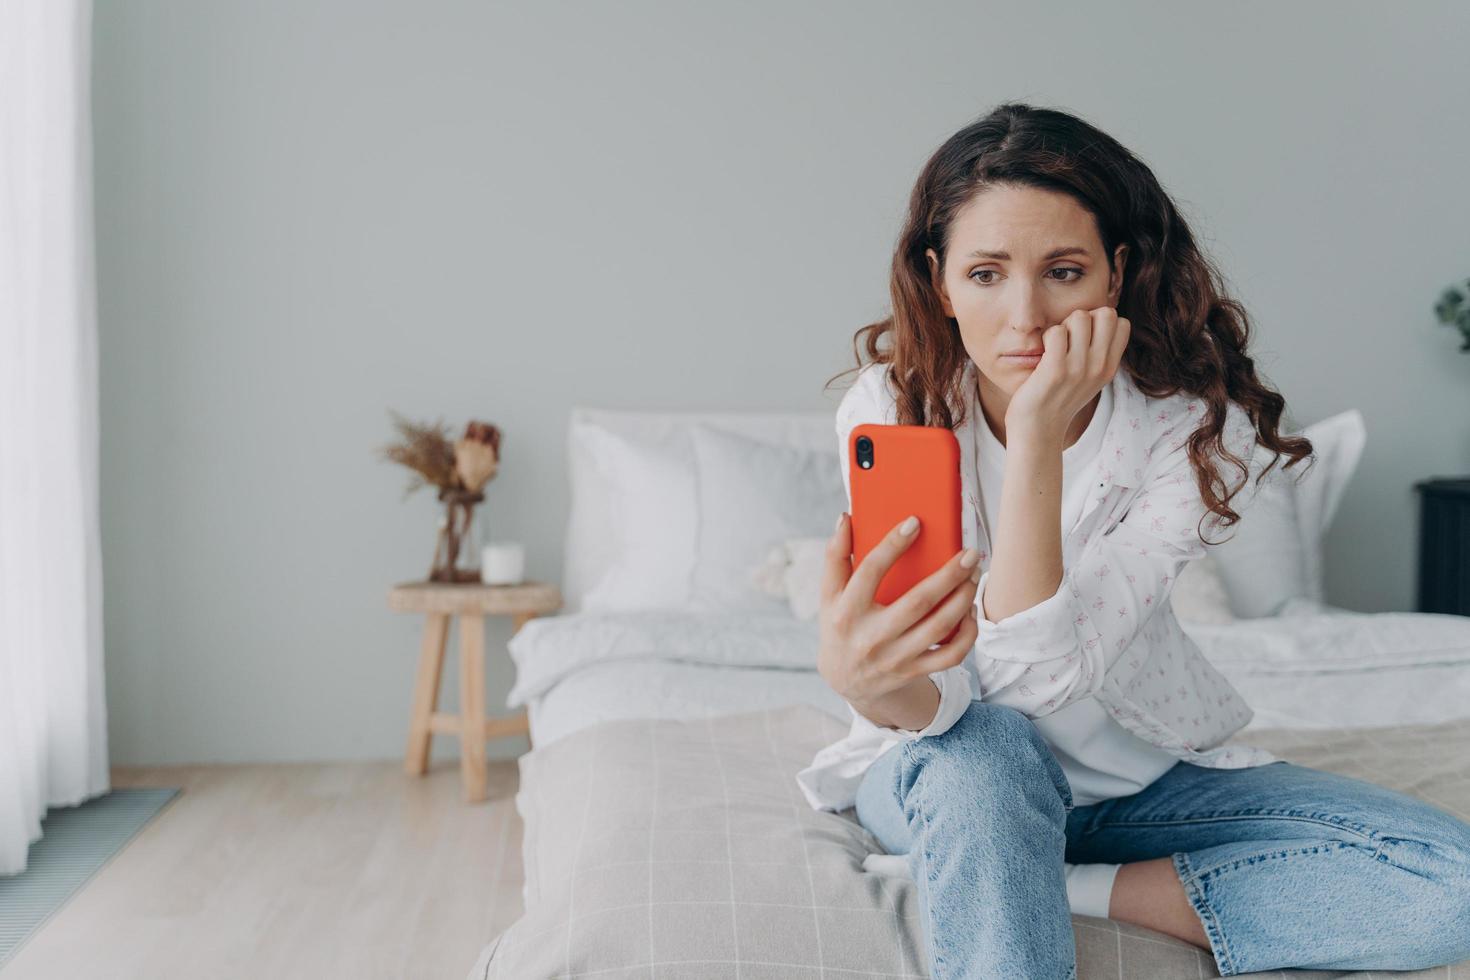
[(1022, 360)]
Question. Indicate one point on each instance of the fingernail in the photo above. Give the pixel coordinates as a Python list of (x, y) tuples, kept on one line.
[(839, 521), (908, 525), (975, 576), (969, 558)]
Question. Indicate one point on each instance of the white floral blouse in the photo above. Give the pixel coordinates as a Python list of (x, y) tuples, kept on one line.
[(1109, 631)]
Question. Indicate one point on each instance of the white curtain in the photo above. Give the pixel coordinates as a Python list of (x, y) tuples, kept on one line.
[(53, 718)]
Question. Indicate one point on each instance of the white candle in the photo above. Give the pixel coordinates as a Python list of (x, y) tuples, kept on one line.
[(503, 563)]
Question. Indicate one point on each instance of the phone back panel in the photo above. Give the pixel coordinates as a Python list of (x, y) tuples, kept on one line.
[(916, 470)]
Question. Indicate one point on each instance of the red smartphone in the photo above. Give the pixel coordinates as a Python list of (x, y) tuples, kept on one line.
[(895, 471)]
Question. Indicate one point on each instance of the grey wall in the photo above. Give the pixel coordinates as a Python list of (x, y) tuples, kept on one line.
[(309, 212)]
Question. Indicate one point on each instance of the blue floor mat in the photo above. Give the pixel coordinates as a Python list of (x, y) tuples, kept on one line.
[(75, 842)]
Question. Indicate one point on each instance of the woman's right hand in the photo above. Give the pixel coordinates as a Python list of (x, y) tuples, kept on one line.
[(869, 650)]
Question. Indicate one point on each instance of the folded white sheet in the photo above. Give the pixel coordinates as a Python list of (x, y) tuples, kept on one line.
[(1314, 666), (549, 649), (1309, 637)]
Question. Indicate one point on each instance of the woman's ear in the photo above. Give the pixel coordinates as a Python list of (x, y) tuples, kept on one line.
[(936, 279), (1120, 262)]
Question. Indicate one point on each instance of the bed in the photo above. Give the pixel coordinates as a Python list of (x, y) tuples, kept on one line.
[(673, 701)]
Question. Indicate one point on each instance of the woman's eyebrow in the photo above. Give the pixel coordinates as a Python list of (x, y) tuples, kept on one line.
[(1055, 253)]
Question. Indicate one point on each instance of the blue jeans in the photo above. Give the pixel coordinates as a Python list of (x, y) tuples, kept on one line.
[(1286, 866)]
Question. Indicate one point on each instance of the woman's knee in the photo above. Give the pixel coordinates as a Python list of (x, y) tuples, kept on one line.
[(990, 747), (998, 729)]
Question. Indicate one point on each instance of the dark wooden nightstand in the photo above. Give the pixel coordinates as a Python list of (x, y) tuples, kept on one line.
[(1444, 545)]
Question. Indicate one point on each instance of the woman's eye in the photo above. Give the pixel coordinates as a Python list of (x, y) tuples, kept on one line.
[(991, 272)]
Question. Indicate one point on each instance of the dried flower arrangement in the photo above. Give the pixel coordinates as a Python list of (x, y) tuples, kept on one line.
[(460, 469)]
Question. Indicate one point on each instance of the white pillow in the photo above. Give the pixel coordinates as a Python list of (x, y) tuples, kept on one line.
[(1263, 561), (652, 525), (753, 496), (594, 538), (1275, 554), (1199, 594), (1339, 442)]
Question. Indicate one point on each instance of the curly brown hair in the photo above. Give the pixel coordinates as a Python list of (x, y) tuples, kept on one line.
[(1185, 333)]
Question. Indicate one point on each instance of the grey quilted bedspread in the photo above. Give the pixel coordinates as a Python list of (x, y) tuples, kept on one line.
[(683, 849)]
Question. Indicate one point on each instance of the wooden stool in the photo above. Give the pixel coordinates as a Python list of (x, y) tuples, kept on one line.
[(471, 602)]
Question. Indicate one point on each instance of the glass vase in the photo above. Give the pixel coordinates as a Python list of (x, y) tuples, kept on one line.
[(460, 538)]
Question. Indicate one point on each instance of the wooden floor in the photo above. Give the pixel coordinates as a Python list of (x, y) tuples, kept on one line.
[(312, 871)]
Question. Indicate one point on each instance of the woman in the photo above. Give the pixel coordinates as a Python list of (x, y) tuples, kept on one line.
[(1064, 751)]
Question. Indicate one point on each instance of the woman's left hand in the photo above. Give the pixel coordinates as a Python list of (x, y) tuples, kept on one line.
[(1082, 353)]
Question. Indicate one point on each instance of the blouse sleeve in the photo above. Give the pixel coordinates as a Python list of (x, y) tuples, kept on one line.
[(1058, 651)]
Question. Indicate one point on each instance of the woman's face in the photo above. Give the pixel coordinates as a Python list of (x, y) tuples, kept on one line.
[(1004, 300)]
